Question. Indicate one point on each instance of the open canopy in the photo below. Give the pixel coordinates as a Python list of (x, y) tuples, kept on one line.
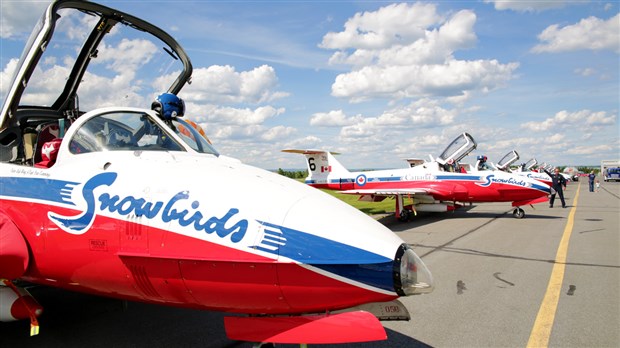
[(80, 46)]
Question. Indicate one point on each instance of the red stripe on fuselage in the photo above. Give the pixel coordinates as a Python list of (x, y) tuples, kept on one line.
[(129, 260), (453, 190)]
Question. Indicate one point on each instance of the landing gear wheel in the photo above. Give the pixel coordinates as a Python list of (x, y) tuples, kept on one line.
[(404, 215), (518, 213)]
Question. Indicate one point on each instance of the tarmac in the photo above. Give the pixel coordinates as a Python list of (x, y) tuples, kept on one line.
[(547, 280)]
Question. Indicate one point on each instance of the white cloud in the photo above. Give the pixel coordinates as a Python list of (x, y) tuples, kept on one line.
[(19, 17), (242, 117), (6, 76), (590, 149), (401, 120), (516, 143), (394, 24), (529, 6), (223, 84), (127, 56), (555, 138), (453, 79), (307, 142), (334, 118), (278, 133), (407, 51), (590, 33), (585, 72), (585, 120)]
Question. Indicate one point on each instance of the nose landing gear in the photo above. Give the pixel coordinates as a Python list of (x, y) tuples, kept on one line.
[(518, 213)]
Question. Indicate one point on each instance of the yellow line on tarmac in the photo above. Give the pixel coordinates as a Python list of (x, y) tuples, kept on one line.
[(539, 337)]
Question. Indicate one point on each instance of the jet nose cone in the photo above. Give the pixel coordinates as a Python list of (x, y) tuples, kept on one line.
[(411, 277)]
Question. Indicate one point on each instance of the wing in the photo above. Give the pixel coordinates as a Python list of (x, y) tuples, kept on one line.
[(437, 190), (378, 195)]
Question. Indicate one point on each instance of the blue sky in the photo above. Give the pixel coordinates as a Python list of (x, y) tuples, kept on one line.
[(381, 81)]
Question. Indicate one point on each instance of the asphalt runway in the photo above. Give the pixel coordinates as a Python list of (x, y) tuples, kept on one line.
[(550, 279)]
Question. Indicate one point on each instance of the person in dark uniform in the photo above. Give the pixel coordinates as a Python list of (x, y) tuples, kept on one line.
[(558, 183), (591, 178)]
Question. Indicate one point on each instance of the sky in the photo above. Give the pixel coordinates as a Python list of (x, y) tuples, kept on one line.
[(382, 81)]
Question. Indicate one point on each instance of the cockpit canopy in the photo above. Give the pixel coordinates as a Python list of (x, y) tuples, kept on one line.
[(134, 131), (507, 160), (111, 60), (107, 57), (458, 149)]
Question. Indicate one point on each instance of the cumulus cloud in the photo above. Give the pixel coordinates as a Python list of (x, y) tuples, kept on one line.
[(585, 119), (223, 84), (453, 79), (394, 24), (517, 142), (334, 118), (590, 33), (6, 75), (278, 133), (529, 6), (19, 17), (407, 51), (307, 142), (421, 113), (127, 56), (589, 149), (242, 117)]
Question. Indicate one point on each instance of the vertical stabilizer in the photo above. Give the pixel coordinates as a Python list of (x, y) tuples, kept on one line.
[(322, 166)]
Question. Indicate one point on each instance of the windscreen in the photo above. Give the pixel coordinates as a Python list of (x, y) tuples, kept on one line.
[(508, 159), (122, 131)]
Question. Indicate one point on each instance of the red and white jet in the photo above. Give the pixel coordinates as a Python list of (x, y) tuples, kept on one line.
[(133, 203), (436, 186)]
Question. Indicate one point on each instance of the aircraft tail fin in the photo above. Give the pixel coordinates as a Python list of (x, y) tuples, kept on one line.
[(321, 164)]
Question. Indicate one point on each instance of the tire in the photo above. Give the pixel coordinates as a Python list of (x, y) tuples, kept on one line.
[(518, 213), (404, 215)]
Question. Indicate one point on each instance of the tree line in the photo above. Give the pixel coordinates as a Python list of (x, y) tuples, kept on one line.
[(293, 174)]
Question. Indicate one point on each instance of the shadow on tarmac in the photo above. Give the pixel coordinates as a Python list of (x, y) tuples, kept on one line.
[(80, 320), (425, 218)]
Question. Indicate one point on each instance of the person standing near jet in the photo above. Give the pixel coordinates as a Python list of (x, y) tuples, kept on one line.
[(591, 178), (558, 183)]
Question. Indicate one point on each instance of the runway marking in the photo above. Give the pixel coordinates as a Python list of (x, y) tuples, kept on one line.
[(539, 337)]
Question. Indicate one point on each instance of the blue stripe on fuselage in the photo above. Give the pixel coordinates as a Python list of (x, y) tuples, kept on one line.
[(458, 177), (338, 258), (57, 191)]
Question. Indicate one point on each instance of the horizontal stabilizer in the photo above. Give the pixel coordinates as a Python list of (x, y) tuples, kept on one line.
[(309, 152), (346, 327)]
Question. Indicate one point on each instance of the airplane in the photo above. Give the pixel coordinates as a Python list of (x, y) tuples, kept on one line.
[(116, 201), (435, 186), (527, 169)]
